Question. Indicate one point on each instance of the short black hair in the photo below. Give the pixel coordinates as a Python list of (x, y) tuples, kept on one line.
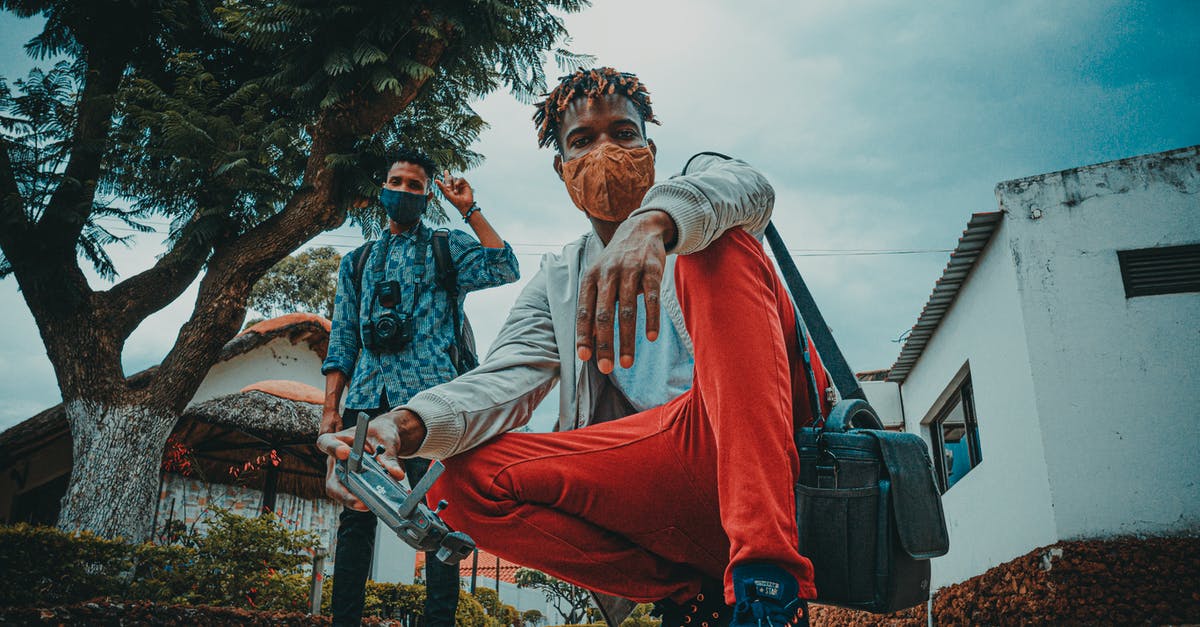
[(591, 83), (415, 157)]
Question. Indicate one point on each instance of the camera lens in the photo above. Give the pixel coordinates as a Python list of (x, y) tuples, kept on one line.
[(385, 327)]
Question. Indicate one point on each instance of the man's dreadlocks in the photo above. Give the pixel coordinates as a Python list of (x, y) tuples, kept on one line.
[(591, 83)]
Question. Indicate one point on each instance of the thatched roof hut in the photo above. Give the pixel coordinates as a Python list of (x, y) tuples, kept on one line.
[(228, 434), (220, 430)]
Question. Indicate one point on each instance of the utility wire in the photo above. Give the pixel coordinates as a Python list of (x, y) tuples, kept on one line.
[(523, 248)]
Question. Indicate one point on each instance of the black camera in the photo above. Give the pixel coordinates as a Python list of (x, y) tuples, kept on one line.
[(389, 332)]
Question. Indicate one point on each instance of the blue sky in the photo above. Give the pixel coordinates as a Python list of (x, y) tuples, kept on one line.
[(881, 128)]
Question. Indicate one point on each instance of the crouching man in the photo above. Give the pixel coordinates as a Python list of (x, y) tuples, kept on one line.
[(670, 477)]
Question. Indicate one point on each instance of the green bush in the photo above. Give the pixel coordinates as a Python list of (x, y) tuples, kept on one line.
[(641, 617), (44, 565), (397, 600), (239, 562), (501, 614)]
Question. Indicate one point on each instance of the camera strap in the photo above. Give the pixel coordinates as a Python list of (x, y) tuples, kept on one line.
[(808, 315), (379, 266)]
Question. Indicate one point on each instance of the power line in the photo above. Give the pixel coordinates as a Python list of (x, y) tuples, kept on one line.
[(523, 248)]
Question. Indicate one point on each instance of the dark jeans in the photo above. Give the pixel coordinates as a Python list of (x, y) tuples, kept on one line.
[(356, 546)]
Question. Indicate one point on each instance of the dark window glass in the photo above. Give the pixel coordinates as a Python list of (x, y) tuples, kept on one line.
[(40, 506)]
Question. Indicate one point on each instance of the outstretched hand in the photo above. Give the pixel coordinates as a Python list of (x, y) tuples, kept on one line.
[(632, 264)]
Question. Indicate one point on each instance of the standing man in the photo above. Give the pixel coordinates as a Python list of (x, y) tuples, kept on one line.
[(671, 477), (393, 330)]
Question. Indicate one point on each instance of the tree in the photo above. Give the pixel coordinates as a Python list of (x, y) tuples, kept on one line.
[(305, 282), (571, 601), (533, 618), (251, 127)]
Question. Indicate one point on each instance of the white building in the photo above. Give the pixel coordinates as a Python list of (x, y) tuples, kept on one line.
[(1057, 363)]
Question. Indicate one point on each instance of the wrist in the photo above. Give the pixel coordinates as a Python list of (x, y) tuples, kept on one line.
[(411, 430), (660, 223), (469, 212)]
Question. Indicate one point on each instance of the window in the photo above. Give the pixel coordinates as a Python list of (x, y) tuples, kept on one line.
[(41, 505), (955, 436)]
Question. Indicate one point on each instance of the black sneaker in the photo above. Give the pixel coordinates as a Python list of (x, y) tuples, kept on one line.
[(706, 609), (767, 596)]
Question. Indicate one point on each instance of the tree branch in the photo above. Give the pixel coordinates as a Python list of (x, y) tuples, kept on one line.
[(73, 200), (14, 224), (133, 300), (234, 268)]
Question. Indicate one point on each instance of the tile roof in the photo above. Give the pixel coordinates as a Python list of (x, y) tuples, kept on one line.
[(979, 232)]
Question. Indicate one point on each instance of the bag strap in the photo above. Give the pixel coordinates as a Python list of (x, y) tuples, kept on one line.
[(808, 313), (446, 273), (447, 276), (831, 356), (360, 263), (444, 270)]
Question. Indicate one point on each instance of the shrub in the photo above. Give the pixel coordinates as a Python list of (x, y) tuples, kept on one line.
[(238, 562), (44, 565), (397, 600)]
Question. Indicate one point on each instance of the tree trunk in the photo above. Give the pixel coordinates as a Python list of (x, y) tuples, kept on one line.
[(118, 456)]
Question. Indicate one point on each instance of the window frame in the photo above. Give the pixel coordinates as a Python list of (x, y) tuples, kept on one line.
[(963, 394)]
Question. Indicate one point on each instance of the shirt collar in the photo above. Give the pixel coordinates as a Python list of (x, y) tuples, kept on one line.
[(411, 234)]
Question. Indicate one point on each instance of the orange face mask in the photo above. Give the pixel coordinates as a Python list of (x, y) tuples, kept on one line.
[(609, 182)]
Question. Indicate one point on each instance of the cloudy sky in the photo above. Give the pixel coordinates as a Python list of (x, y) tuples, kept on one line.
[(882, 128)]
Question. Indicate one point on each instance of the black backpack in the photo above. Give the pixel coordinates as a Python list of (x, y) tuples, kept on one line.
[(462, 350)]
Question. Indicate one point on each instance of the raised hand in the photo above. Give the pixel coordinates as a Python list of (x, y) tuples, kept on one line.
[(457, 190)]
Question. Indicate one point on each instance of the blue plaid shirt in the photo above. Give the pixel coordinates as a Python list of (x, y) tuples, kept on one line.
[(424, 363)]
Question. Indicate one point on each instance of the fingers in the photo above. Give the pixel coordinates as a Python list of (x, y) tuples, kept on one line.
[(606, 298), (630, 287), (392, 464), (337, 491), (336, 445), (651, 283), (584, 317)]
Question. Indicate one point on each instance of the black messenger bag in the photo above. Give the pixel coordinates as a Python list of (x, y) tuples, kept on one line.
[(868, 511)]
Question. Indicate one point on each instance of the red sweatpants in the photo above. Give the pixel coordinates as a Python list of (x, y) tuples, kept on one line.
[(645, 506)]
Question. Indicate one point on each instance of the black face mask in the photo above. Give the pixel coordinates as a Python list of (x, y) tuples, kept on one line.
[(403, 207)]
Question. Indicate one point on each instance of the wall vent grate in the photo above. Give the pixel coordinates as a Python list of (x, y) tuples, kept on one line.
[(1161, 270)]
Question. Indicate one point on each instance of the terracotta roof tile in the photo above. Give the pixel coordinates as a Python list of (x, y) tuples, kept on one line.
[(486, 570), (287, 320)]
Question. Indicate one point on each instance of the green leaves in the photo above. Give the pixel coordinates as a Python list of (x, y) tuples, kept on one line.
[(305, 282)]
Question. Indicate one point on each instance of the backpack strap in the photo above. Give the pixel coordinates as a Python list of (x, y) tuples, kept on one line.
[(360, 263), (444, 270), (462, 350)]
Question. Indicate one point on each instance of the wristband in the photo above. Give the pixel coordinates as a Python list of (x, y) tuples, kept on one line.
[(474, 209)]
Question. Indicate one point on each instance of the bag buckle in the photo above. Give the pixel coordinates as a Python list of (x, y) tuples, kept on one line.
[(827, 470)]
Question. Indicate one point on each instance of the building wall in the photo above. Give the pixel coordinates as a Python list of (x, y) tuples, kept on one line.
[(1002, 508), (394, 560), (277, 359), (1118, 380), (190, 500), (884, 397)]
